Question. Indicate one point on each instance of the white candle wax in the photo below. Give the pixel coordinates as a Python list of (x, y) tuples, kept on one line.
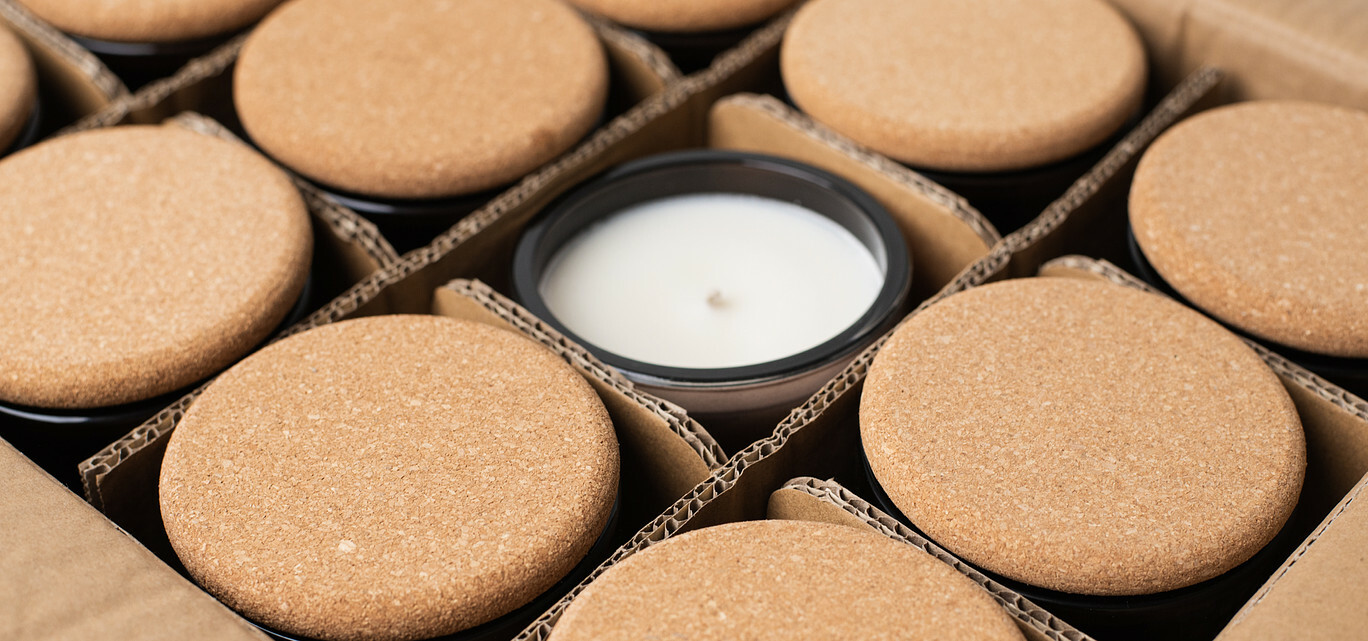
[(711, 280)]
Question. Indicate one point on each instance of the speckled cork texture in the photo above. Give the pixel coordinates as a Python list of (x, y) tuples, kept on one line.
[(785, 581), (685, 16), (420, 99), (1258, 214), (394, 477), (150, 20), (1082, 437), (18, 88), (975, 86), (139, 260)]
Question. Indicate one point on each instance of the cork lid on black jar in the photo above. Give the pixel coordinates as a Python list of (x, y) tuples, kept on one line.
[(685, 16), (18, 88), (139, 260), (966, 86), (1257, 213), (150, 20), (782, 581), (1082, 437), (391, 477), (412, 99)]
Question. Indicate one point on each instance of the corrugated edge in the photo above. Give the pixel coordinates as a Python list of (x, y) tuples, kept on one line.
[(654, 58), (1019, 607), (344, 223), (686, 428), (1172, 107), (748, 50), (953, 203), (79, 57), (1283, 367), (207, 66), (679, 514)]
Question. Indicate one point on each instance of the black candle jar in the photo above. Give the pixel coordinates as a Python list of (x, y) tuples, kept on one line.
[(1349, 373), (694, 51), (509, 625), (742, 400), (1194, 613), (139, 63), (29, 134), (58, 440)]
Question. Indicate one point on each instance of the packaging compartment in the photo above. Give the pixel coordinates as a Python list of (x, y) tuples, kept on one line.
[(72, 82)]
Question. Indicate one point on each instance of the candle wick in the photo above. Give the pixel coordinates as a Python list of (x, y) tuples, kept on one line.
[(715, 299)]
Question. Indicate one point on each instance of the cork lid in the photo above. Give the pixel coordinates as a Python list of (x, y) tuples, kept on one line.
[(393, 477), (1258, 214), (18, 88), (139, 260), (1082, 436), (975, 86), (786, 581), (150, 20), (685, 16), (420, 99)]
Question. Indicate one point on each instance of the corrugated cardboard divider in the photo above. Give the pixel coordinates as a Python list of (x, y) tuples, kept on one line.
[(1307, 49), (810, 499), (66, 572), (72, 82), (1335, 422), (664, 452), (816, 438), (638, 69)]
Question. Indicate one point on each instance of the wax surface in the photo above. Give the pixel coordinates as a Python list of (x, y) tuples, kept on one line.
[(711, 280)]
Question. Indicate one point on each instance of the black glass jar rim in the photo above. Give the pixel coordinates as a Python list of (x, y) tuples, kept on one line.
[(1095, 603), (176, 48), (1331, 366), (137, 411), (29, 133), (893, 257), (508, 625)]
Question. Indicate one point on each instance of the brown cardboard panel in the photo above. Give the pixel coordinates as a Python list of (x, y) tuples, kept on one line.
[(664, 451), (66, 572), (1307, 49), (810, 499), (942, 231), (72, 81), (1318, 592), (815, 438)]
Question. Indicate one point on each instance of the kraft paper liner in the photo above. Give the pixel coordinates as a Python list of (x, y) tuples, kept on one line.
[(72, 81), (857, 512)]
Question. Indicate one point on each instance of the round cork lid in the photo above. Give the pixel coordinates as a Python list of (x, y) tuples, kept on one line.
[(150, 20), (786, 581), (1258, 214), (685, 16), (420, 99), (393, 477), (139, 260), (1082, 436), (974, 86), (18, 88)]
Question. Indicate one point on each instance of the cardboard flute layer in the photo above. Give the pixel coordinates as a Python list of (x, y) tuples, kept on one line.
[(810, 499), (664, 452), (72, 82), (66, 572), (1307, 49)]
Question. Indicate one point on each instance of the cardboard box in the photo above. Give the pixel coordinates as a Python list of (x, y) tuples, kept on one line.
[(1308, 49), (72, 82), (66, 572)]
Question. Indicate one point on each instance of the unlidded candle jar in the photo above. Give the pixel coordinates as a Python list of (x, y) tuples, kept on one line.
[(138, 261), (411, 112), (1116, 456), (388, 478), (692, 32), (143, 40), (18, 94), (1255, 213), (1003, 102), (733, 284), (782, 581)]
